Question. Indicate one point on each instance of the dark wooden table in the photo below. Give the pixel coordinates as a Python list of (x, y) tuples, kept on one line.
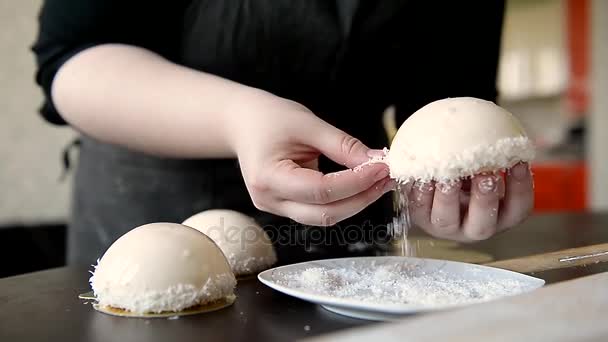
[(43, 306)]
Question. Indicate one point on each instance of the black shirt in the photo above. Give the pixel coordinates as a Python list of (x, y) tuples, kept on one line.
[(345, 59)]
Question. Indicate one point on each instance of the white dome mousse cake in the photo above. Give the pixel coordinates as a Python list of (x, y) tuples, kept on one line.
[(161, 268), (245, 244), (455, 138)]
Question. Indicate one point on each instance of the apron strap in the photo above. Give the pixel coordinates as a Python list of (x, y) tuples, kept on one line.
[(66, 160)]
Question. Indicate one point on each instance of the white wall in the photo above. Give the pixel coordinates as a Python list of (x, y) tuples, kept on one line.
[(533, 68), (598, 116), (29, 148), (533, 52)]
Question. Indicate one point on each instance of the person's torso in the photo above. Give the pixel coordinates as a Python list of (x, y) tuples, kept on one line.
[(346, 60), (335, 57)]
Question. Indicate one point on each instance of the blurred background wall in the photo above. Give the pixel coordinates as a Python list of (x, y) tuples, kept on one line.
[(547, 77), (33, 202), (29, 148), (597, 153), (543, 77)]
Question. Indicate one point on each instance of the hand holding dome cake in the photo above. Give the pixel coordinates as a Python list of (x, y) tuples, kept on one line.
[(456, 138), (447, 158)]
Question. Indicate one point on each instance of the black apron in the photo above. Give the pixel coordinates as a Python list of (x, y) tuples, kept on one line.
[(116, 190)]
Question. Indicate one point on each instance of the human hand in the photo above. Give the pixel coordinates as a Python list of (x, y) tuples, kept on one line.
[(278, 143), (475, 209)]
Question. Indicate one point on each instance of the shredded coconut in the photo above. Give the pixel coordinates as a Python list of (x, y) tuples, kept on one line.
[(175, 298), (243, 264), (373, 160), (501, 155), (399, 284)]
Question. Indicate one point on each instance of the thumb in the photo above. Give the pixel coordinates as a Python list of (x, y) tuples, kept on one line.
[(339, 146)]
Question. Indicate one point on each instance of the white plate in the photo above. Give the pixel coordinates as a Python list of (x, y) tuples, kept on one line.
[(276, 279)]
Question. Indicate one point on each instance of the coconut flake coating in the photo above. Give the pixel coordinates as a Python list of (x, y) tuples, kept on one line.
[(455, 138)]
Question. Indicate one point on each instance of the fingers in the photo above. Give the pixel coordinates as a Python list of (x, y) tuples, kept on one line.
[(303, 193), (519, 196), (445, 215), (339, 146), (482, 215), (332, 213), (420, 204), (437, 209), (294, 183), (473, 209)]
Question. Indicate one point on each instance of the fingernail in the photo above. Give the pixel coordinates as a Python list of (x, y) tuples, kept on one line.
[(488, 184), (376, 153), (446, 188), (381, 175), (519, 171)]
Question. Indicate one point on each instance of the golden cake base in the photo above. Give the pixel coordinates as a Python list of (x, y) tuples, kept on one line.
[(198, 309)]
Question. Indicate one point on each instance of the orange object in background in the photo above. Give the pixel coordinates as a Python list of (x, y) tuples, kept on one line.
[(560, 186), (577, 15)]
